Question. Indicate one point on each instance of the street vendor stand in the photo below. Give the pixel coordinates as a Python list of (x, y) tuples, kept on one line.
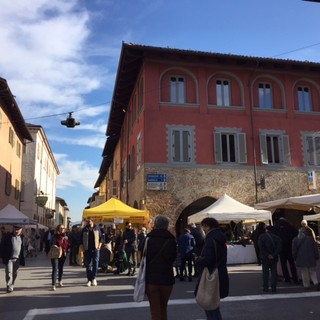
[(117, 212), (225, 210)]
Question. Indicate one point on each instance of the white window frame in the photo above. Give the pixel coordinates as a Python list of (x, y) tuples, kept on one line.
[(223, 92), (181, 144), (265, 95), (240, 146), (177, 89), (269, 141), (304, 99), (311, 148)]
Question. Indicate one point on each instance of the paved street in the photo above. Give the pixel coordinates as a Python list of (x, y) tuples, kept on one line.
[(112, 298)]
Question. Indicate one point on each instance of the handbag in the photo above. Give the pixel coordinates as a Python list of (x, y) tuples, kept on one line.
[(140, 285), (55, 252), (208, 293)]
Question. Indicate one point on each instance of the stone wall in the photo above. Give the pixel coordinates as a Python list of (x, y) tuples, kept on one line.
[(186, 185)]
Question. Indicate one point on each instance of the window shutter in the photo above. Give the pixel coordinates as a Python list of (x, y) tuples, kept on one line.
[(176, 146), (286, 150), (242, 148), (217, 147), (186, 146), (317, 150), (263, 149)]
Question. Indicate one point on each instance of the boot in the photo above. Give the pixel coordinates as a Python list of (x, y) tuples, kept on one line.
[(133, 272), (129, 272)]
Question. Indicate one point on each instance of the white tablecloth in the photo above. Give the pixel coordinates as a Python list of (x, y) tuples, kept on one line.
[(238, 254)]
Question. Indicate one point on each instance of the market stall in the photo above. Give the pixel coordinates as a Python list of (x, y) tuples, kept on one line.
[(225, 210), (117, 212), (11, 215)]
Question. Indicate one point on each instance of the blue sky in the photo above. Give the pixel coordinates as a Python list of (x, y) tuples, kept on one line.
[(60, 56)]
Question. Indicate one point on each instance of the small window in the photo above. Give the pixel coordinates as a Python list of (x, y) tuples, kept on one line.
[(11, 137), (17, 190), (304, 99), (177, 90), (223, 92), (265, 96), (8, 184), (275, 149), (312, 149), (181, 145), (230, 147), (18, 149), (139, 151)]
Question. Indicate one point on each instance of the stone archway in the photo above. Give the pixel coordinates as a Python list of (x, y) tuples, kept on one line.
[(194, 207)]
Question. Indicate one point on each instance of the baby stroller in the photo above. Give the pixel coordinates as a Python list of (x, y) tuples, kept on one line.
[(120, 261), (104, 260)]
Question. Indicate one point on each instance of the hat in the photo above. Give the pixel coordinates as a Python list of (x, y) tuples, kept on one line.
[(17, 226), (304, 222)]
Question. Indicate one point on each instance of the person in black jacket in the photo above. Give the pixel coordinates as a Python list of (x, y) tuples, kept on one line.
[(130, 247), (160, 256), (270, 247), (214, 254), (12, 255)]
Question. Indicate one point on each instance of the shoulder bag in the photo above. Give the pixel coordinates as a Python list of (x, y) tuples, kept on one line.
[(140, 285), (55, 252), (208, 293)]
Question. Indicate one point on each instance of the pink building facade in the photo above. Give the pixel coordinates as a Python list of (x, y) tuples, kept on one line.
[(192, 126)]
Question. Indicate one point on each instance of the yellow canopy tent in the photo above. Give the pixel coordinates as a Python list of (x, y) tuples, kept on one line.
[(116, 211)]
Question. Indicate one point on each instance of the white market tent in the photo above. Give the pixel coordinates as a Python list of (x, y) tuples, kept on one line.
[(312, 217), (226, 209), (304, 203), (11, 215)]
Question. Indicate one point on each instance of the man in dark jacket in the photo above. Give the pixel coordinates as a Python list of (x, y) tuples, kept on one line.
[(12, 255), (270, 247), (130, 247), (287, 233)]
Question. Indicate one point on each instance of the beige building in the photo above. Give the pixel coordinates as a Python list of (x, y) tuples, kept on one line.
[(14, 135), (40, 171)]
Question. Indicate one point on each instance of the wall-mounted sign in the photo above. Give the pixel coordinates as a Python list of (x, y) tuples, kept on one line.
[(156, 181), (312, 183)]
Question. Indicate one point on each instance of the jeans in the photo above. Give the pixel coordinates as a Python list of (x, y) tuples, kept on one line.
[(11, 270), (131, 256), (213, 314), (57, 269), (158, 296), (91, 262), (272, 266)]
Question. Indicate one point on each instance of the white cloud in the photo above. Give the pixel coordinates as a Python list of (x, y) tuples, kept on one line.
[(74, 173)]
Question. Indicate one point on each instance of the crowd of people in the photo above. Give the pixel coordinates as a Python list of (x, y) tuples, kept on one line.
[(167, 257)]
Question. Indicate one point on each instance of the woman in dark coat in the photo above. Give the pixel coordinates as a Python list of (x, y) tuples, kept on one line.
[(161, 254), (215, 242)]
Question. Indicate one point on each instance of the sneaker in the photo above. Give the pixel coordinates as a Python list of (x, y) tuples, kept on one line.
[(94, 282), (53, 288), (89, 284), (60, 284), (9, 289)]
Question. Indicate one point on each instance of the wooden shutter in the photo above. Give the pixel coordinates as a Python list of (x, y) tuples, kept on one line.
[(217, 147), (242, 148), (286, 150), (263, 149)]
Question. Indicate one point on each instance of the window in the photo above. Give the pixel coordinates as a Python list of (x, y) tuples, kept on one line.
[(223, 92), (312, 149), (17, 189), (275, 148), (230, 147), (265, 96), (11, 137), (140, 94), (177, 90), (304, 99), (18, 149), (8, 184), (181, 144), (139, 151), (115, 188)]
